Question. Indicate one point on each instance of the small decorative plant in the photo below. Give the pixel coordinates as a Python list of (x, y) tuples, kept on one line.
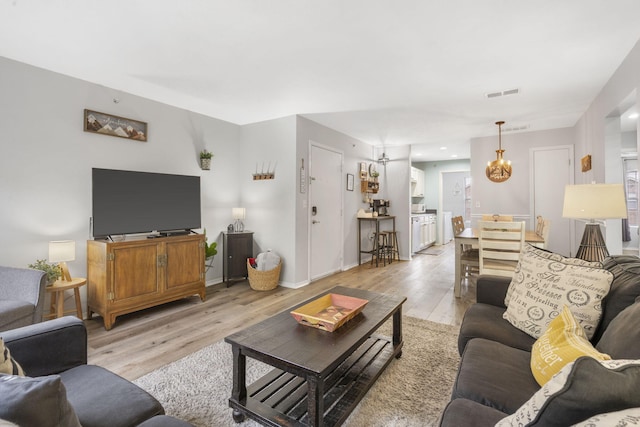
[(204, 154), (209, 250), (205, 159), (52, 270)]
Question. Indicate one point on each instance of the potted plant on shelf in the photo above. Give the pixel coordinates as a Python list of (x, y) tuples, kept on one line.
[(205, 159), (52, 270)]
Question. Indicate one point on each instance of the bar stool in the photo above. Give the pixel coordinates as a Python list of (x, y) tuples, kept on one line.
[(379, 249), (393, 251)]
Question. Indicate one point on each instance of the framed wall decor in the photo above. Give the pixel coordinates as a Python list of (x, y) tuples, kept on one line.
[(586, 163), (108, 124), (349, 182)]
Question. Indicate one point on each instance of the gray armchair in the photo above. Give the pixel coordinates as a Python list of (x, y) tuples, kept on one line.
[(21, 297)]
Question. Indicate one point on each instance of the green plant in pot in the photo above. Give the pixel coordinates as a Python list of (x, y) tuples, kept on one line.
[(205, 159), (53, 271), (209, 250)]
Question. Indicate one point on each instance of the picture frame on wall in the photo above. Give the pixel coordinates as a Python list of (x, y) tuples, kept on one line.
[(350, 182), (108, 124)]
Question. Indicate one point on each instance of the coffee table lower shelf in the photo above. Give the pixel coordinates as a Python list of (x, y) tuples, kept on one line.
[(280, 398)]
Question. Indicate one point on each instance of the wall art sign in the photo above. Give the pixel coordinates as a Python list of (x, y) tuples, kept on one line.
[(586, 163), (108, 124)]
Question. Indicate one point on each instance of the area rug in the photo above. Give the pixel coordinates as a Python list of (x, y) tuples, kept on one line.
[(411, 392)]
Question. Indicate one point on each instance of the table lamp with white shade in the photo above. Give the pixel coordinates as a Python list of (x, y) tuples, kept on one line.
[(61, 251), (592, 202), (238, 214)]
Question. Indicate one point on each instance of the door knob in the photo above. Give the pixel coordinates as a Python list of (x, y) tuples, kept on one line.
[(315, 222)]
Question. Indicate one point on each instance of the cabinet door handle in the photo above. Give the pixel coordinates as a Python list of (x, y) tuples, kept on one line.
[(315, 222)]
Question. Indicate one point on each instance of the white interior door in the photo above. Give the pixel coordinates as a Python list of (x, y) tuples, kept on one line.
[(325, 213), (552, 169)]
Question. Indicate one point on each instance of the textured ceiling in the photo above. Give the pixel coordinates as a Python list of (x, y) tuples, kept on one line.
[(405, 72)]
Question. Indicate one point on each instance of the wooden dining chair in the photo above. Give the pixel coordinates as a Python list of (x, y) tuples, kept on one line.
[(457, 222), (543, 228), (469, 260), (500, 245), (497, 217)]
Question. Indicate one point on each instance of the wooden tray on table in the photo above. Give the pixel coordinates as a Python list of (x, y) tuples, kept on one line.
[(329, 312)]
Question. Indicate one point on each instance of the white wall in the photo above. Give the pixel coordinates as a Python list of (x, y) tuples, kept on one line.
[(46, 159), (512, 196), (270, 204), (591, 134)]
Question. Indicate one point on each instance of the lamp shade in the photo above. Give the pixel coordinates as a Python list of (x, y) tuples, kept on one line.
[(62, 250), (594, 201), (238, 213)]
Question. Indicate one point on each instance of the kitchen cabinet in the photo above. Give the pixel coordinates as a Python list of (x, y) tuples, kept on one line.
[(135, 274), (423, 231), (417, 182)]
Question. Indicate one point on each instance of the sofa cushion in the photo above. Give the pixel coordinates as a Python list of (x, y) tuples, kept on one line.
[(626, 417), (624, 289), (580, 390), (7, 363), (464, 412), (104, 399), (495, 375), (621, 339), (563, 342), (543, 285), (485, 321), (40, 401)]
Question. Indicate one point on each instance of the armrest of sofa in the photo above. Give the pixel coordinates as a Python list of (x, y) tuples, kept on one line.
[(24, 284), (49, 347), (492, 290)]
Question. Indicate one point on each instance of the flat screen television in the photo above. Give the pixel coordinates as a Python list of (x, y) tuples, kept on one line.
[(129, 202)]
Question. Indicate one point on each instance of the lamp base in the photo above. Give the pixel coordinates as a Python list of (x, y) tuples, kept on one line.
[(592, 247), (238, 226), (65, 276)]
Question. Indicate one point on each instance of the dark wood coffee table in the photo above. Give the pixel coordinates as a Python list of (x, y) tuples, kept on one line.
[(319, 376)]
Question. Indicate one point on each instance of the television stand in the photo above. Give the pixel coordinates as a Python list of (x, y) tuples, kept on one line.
[(124, 277)]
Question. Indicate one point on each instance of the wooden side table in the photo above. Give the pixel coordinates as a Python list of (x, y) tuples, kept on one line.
[(57, 296)]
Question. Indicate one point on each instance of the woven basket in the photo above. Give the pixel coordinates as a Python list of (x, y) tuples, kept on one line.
[(263, 280)]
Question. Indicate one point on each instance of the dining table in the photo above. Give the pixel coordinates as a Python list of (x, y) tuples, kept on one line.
[(470, 236)]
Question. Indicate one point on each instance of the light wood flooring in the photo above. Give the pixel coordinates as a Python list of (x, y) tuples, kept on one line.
[(141, 342)]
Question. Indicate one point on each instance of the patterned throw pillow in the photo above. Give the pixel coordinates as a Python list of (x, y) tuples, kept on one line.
[(542, 285), (625, 418), (7, 364), (582, 389), (544, 254), (563, 342)]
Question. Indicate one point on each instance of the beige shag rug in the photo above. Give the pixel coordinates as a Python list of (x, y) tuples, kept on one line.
[(411, 392)]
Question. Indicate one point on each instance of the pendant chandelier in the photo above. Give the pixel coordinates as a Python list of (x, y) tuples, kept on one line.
[(499, 170)]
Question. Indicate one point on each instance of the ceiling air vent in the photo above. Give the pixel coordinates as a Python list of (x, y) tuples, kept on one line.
[(502, 93), (515, 128)]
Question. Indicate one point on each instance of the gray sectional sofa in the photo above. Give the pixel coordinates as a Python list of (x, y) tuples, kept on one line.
[(495, 379), (54, 352)]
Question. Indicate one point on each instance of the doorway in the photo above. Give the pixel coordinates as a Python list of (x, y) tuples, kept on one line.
[(325, 211), (552, 170)]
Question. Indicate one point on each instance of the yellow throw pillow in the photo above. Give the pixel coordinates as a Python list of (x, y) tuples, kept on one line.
[(563, 342)]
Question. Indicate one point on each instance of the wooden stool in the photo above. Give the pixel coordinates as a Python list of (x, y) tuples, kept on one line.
[(57, 296), (392, 241), (380, 250)]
